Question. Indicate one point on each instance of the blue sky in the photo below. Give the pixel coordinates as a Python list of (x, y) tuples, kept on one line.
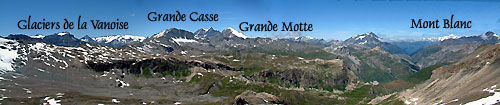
[(331, 19)]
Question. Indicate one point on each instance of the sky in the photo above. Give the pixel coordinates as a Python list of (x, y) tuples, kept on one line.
[(339, 20)]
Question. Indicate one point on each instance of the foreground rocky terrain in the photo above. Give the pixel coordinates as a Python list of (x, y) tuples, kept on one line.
[(475, 80)]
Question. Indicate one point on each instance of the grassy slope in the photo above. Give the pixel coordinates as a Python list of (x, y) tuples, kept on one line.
[(231, 88), (422, 75), (407, 82), (308, 54)]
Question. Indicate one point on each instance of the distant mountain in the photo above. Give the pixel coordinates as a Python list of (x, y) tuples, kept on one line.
[(310, 40), (365, 38), (166, 41), (412, 46), (87, 38), (113, 40), (67, 39), (486, 38), (230, 32), (372, 59), (23, 36), (437, 39), (370, 40), (452, 50), (205, 33), (208, 40), (60, 39)]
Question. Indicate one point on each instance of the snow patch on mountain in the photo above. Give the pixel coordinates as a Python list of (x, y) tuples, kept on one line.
[(304, 38), (51, 101), (490, 100), (8, 54), (360, 37), (62, 33), (119, 38), (85, 40), (363, 42), (496, 36), (484, 37), (238, 34), (183, 40), (160, 34), (49, 52)]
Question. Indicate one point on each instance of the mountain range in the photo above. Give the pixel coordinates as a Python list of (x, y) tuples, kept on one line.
[(113, 40), (412, 46), (452, 50), (208, 66)]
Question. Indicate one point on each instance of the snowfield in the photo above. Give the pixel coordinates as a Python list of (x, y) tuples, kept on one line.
[(490, 100), (119, 38), (7, 55)]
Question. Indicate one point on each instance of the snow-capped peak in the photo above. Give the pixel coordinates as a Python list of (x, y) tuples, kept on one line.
[(160, 34), (361, 37), (489, 34), (238, 34), (38, 36), (451, 36), (367, 35)]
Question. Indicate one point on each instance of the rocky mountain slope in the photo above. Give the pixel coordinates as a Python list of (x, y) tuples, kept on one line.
[(472, 80)]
